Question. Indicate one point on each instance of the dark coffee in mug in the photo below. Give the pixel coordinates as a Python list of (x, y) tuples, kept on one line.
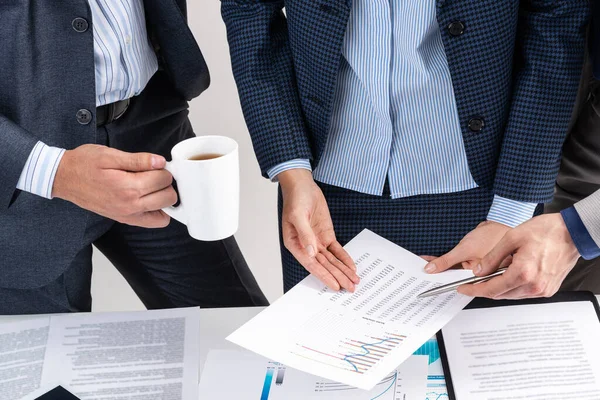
[(208, 156)]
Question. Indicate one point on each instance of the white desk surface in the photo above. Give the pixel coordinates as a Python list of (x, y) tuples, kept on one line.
[(215, 326)]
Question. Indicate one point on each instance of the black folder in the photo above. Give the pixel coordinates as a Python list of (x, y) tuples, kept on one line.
[(58, 393), (561, 297)]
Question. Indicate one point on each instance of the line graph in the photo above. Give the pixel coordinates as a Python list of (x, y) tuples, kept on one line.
[(373, 352), (436, 396), (273, 387), (388, 384), (352, 354)]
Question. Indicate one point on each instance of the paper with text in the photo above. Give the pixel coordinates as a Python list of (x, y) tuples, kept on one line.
[(537, 352), (22, 350), (151, 354), (257, 378), (356, 338)]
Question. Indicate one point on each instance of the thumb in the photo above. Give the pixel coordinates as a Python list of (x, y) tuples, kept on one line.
[(134, 162), (306, 236), (456, 256), (493, 260)]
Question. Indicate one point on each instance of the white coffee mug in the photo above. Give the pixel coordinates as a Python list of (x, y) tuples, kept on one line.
[(209, 189)]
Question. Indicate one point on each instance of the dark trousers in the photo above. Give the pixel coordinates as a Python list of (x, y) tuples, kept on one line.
[(165, 267), (579, 174)]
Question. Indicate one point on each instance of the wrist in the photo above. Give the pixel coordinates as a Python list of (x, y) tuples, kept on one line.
[(293, 177)]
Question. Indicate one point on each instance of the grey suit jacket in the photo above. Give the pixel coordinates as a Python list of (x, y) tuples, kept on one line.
[(589, 211), (578, 182), (46, 76)]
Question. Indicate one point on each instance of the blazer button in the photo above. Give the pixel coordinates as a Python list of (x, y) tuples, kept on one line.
[(80, 25), (328, 9), (84, 117), (476, 124), (456, 28)]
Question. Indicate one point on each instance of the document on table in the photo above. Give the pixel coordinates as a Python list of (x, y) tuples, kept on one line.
[(243, 375), (356, 338), (544, 352), (436, 383), (101, 356)]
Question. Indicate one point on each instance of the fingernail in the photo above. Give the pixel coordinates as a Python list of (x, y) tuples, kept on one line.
[(478, 269), (430, 268), (310, 250), (158, 162)]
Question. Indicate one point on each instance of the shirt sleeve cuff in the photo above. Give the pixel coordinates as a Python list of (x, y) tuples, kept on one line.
[(40, 169), (510, 212), (292, 164), (586, 246)]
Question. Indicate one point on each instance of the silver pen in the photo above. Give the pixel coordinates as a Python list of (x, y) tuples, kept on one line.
[(454, 285)]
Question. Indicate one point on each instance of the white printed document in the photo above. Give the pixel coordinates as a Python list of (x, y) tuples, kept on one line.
[(436, 383), (356, 338), (535, 352), (257, 378), (150, 354)]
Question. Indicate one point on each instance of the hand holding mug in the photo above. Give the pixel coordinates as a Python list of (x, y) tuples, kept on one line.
[(130, 188)]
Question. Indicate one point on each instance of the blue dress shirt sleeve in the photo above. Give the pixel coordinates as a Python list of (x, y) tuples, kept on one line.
[(510, 212), (40, 170), (292, 164), (581, 236)]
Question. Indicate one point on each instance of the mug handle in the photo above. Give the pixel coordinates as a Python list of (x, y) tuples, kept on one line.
[(178, 212)]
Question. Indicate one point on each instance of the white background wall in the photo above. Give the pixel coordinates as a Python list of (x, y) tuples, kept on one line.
[(217, 111)]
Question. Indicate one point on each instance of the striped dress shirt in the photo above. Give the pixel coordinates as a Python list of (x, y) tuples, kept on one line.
[(124, 63), (394, 112)]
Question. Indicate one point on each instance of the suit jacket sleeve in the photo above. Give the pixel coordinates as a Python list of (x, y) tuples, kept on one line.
[(589, 212), (548, 66), (15, 146), (264, 72)]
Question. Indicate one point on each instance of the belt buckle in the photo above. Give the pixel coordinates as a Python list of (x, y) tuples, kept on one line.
[(124, 110)]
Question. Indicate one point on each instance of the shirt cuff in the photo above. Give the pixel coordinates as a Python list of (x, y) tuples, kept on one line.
[(40, 169), (292, 164), (510, 212), (586, 246)]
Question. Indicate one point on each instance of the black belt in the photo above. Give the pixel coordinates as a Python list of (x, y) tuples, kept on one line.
[(111, 112)]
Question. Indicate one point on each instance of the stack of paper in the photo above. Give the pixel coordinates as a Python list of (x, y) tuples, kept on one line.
[(152, 354)]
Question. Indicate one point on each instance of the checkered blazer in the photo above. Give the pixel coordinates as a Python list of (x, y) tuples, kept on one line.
[(516, 66)]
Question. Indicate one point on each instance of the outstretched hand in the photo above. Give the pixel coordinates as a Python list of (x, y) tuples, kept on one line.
[(308, 232)]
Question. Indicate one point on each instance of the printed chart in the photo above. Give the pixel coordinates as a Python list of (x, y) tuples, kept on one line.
[(436, 384), (258, 378), (352, 354)]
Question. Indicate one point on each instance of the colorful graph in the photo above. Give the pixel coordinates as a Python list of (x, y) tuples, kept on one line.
[(431, 349), (370, 352), (271, 368), (356, 355), (275, 374), (436, 383), (388, 383)]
